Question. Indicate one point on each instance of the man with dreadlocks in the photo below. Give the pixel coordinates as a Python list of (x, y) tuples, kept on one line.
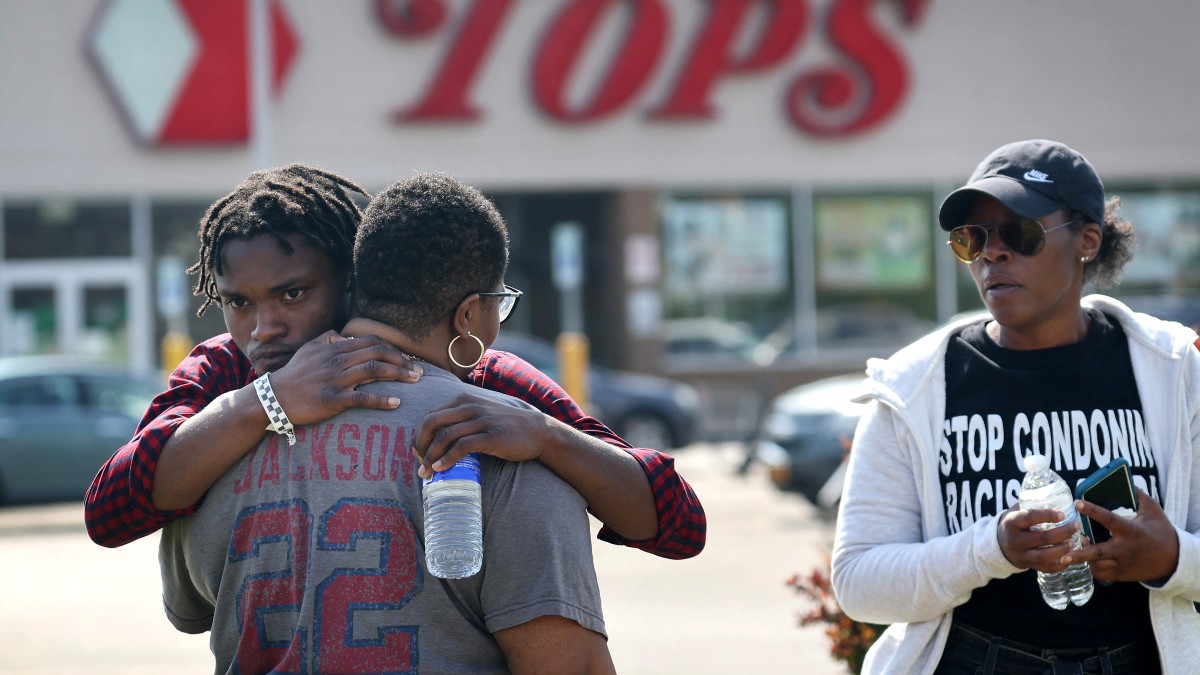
[(295, 226)]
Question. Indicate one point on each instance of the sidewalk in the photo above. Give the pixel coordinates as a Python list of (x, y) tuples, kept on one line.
[(29, 519)]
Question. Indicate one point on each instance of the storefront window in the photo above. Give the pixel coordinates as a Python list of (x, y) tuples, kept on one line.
[(1163, 278), (105, 323), (1166, 259), (34, 323), (728, 281), (874, 270), (176, 247), (67, 228)]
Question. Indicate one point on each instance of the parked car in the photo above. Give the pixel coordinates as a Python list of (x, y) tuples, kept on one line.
[(805, 435), (60, 420), (706, 337), (648, 412)]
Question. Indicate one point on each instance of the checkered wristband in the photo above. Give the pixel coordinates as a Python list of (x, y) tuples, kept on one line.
[(277, 420)]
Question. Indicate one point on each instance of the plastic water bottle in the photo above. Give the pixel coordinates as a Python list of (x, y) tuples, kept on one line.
[(1042, 488), (454, 520)]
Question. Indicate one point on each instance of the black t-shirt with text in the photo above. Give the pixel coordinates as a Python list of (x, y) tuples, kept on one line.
[(1078, 405)]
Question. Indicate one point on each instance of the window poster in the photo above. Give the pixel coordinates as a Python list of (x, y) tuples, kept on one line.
[(725, 246), (866, 242), (1167, 245)]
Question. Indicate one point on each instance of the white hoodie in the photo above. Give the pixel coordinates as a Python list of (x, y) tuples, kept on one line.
[(894, 559)]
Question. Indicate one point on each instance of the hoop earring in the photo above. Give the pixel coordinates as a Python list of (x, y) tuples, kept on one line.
[(450, 351)]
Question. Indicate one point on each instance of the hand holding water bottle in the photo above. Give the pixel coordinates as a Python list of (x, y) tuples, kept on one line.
[(1042, 488), (1035, 549), (1049, 523)]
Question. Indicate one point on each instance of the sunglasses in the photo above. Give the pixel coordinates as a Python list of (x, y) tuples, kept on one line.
[(509, 297), (1025, 236)]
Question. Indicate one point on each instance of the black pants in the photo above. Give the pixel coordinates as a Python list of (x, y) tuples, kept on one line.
[(974, 652)]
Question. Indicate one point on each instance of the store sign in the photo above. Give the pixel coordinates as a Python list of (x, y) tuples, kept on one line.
[(179, 69), (854, 93)]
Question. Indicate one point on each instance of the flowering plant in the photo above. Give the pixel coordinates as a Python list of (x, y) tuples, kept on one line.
[(849, 639)]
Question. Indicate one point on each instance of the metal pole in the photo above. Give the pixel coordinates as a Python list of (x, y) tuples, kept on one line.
[(804, 243), (7, 337), (566, 249), (260, 83), (140, 319), (571, 305)]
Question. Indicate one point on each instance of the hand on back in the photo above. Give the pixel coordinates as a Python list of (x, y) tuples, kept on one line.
[(323, 377), (472, 423)]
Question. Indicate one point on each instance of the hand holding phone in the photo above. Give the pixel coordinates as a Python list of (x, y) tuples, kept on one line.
[(1111, 486)]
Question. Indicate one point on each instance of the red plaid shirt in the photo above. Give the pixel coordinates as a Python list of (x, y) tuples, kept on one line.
[(118, 508)]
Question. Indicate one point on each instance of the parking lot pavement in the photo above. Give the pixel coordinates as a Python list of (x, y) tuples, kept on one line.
[(728, 610), (18, 520), (70, 606)]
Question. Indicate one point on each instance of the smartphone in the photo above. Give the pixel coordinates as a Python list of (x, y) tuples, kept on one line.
[(1111, 486)]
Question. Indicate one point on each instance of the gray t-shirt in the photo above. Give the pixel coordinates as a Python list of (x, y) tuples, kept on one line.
[(310, 558)]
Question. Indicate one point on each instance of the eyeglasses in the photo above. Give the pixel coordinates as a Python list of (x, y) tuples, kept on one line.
[(509, 297), (1025, 236)]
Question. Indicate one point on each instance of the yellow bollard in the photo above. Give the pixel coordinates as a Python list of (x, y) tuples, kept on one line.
[(573, 366), (173, 349)]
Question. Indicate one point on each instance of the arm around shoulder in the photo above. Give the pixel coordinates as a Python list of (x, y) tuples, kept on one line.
[(205, 446), (682, 523), (118, 506), (318, 381), (637, 494)]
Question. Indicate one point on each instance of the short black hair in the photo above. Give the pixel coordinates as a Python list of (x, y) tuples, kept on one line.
[(293, 199), (425, 244)]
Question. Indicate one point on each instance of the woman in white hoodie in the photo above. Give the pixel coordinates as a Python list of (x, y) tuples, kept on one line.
[(930, 536)]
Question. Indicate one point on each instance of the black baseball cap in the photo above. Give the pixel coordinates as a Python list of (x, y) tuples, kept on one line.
[(1033, 178)]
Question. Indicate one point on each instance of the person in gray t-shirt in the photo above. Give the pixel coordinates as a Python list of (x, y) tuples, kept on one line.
[(309, 557)]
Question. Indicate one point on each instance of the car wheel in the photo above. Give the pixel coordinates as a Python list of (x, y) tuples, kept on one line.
[(647, 430)]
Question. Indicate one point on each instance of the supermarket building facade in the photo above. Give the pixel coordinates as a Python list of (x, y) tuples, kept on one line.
[(751, 183)]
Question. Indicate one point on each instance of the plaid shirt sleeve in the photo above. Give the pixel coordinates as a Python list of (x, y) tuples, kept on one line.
[(117, 507), (681, 522)]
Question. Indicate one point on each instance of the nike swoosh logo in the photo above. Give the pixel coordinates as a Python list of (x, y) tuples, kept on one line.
[(1036, 177)]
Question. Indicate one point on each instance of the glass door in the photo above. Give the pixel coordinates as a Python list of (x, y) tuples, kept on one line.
[(89, 308), (32, 322), (105, 330)]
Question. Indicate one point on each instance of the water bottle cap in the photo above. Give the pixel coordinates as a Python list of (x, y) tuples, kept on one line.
[(1036, 463)]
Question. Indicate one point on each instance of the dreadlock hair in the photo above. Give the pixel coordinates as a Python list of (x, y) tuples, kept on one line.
[(426, 243), (293, 199)]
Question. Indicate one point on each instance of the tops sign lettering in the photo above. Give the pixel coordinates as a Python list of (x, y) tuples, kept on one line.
[(856, 93), (179, 69)]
